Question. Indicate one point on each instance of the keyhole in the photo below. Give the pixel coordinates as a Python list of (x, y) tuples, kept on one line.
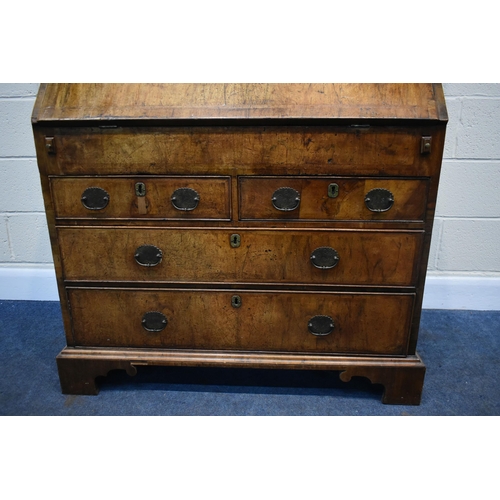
[(140, 189), (333, 190), (235, 240), (236, 301)]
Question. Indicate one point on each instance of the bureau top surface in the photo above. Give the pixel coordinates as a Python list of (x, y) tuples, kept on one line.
[(229, 101)]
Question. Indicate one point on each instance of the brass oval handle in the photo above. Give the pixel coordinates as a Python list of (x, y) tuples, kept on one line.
[(95, 198), (154, 321), (185, 199), (148, 255), (379, 200), (285, 199), (325, 258), (321, 325)]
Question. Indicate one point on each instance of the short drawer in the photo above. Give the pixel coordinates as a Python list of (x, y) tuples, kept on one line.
[(355, 323), (332, 198), (172, 198), (207, 255)]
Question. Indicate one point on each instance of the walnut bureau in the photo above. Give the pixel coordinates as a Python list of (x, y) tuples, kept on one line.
[(241, 225)]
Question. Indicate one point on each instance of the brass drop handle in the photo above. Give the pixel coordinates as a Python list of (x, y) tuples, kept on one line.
[(285, 199), (95, 198), (321, 325), (185, 199), (379, 200), (325, 258), (154, 321), (148, 255)]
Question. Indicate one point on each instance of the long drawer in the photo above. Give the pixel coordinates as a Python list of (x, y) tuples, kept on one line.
[(357, 323), (209, 255)]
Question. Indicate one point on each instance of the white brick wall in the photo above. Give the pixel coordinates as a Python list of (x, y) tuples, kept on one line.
[(23, 230), (466, 238)]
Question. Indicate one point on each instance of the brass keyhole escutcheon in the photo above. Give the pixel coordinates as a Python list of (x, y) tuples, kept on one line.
[(140, 189), (333, 190), (236, 301), (235, 240)]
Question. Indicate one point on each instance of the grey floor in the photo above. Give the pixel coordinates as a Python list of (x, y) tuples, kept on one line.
[(461, 350)]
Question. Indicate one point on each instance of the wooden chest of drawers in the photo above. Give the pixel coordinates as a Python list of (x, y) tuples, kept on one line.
[(264, 226)]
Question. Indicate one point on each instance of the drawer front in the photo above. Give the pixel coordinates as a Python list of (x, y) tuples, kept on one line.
[(332, 199), (173, 198), (378, 150), (266, 321), (203, 255)]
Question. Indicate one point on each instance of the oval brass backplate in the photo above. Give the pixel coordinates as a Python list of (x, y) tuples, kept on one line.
[(379, 200), (321, 325), (95, 198), (148, 255), (185, 199), (154, 321), (325, 258), (285, 199)]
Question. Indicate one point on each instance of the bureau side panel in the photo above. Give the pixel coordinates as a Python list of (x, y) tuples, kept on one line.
[(43, 166), (423, 260)]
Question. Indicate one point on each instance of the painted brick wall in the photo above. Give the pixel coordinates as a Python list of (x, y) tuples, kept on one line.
[(466, 240), (24, 237), (466, 237)]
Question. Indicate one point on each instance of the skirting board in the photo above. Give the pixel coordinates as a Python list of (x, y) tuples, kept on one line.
[(441, 292), (477, 293)]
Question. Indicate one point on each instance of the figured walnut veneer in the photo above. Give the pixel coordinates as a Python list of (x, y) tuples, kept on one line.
[(241, 225)]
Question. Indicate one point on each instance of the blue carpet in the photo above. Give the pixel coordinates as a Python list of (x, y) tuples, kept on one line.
[(461, 350)]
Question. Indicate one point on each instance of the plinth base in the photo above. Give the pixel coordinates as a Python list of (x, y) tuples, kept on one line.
[(402, 378)]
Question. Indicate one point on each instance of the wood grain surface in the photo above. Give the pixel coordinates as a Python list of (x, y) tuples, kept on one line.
[(214, 193), (97, 101), (410, 198), (278, 150), (235, 144), (364, 323), (205, 255)]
